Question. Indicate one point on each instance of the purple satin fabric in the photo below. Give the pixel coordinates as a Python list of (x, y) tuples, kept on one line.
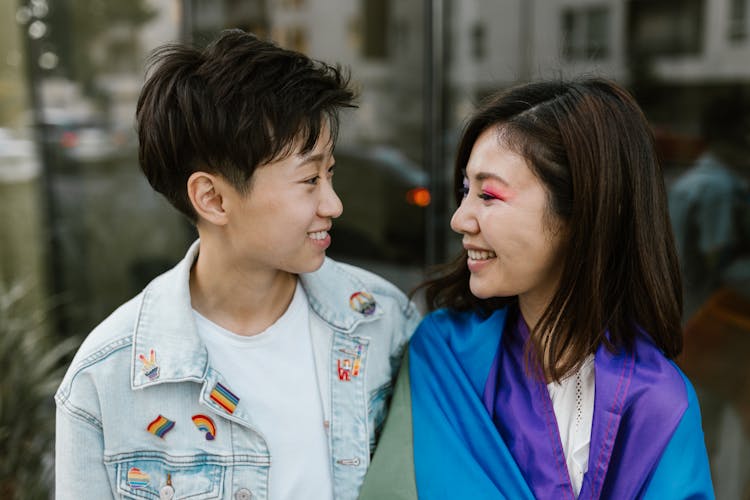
[(639, 400)]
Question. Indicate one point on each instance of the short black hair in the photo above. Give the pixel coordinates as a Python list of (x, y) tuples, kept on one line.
[(240, 103)]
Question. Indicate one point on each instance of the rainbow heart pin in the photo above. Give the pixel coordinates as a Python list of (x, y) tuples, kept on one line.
[(137, 478)]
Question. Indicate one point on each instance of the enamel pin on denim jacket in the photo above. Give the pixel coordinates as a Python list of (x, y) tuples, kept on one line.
[(142, 413)]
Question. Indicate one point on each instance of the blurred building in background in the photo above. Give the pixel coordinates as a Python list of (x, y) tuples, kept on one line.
[(83, 229)]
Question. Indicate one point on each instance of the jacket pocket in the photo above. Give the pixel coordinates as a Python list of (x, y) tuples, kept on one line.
[(145, 474), (377, 409)]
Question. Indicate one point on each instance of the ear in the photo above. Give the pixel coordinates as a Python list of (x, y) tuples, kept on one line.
[(205, 193)]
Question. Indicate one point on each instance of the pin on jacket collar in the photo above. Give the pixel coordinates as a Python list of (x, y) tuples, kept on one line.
[(362, 302)]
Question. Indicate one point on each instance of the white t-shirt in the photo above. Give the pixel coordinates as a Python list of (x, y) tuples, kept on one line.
[(273, 373), (573, 402)]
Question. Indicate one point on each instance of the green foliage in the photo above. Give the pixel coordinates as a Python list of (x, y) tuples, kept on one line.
[(33, 364), (97, 16)]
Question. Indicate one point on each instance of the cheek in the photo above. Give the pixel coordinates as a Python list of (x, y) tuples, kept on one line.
[(543, 256), (526, 251), (509, 232), (292, 214)]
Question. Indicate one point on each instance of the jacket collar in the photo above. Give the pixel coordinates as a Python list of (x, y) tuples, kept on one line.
[(166, 328), (335, 294), (165, 325)]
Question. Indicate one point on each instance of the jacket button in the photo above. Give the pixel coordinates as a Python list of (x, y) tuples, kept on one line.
[(166, 493), (243, 494)]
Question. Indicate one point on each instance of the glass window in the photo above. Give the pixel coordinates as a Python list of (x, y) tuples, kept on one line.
[(478, 41), (571, 35), (375, 25), (597, 33), (585, 33), (666, 27), (83, 231), (737, 20)]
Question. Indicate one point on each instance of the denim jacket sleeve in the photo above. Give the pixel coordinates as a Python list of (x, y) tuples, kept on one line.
[(79, 437), (81, 474)]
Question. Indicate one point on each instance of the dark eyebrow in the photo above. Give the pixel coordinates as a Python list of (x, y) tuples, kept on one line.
[(316, 158)]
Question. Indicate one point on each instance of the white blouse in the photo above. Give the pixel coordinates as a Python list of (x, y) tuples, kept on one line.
[(573, 402)]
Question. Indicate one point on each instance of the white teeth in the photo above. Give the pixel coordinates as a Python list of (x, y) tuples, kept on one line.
[(320, 235), (480, 254)]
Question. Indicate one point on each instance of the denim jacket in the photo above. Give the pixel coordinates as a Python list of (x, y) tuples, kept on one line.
[(141, 413)]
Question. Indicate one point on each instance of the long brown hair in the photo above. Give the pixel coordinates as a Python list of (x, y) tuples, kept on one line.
[(592, 148)]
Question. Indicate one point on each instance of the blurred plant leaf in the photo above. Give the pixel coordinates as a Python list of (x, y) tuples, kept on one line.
[(33, 363)]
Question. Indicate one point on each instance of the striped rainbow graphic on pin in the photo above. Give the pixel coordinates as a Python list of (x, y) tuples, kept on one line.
[(362, 302), (137, 478), (160, 426), (224, 398), (205, 424)]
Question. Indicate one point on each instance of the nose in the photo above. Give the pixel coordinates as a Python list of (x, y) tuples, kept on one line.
[(330, 204), (463, 220)]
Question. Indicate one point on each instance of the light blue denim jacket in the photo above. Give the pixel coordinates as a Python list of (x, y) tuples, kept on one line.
[(124, 415)]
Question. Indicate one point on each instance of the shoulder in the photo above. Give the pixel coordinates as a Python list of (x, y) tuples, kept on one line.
[(443, 322), (466, 340), (104, 358), (106, 349), (332, 288), (650, 361), (100, 368), (357, 302), (683, 469), (658, 384), (469, 335), (370, 281), (114, 332), (448, 323)]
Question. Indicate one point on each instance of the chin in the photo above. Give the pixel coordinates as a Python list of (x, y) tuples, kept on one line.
[(479, 291), (487, 292), (311, 266)]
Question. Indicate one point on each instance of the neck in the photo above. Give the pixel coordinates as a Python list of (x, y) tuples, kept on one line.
[(531, 313), (531, 310), (243, 300)]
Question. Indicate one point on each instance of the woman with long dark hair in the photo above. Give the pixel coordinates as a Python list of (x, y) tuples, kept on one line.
[(544, 370)]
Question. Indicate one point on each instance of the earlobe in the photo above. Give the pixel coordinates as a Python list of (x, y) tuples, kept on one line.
[(205, 194)]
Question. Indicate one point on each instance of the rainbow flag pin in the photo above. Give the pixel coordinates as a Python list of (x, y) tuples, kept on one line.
[(160, 426), (224, 398)]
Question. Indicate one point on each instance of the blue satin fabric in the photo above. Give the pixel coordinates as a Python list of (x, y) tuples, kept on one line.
[(683, 471), (645, 443), (457, 450)]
